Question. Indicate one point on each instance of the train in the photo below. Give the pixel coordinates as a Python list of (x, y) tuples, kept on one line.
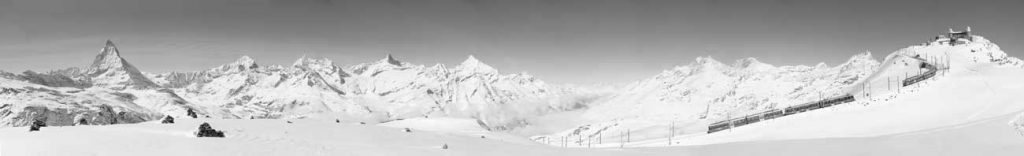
[(776, 113), (932, 70)]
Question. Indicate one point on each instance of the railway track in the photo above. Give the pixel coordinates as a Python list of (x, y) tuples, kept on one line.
[(776, 113)]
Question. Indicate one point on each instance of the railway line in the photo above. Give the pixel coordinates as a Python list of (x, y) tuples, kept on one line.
[(777, 113)]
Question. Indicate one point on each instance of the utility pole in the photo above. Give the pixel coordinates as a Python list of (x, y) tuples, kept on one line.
[(671, 132), (622, 143), (627, 135), (580, 140)]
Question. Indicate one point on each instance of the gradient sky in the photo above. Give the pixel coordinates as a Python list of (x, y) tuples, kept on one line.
[(559, 41)]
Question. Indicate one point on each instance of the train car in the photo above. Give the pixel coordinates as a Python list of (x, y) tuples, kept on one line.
[(918, 78), (718, 126), (772, 114)]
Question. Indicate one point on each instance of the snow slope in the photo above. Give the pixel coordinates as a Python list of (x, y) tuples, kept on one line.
[(318, 137), (262, 137), (975, 81)]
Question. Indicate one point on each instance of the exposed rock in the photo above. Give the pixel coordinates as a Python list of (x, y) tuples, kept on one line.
[(168, 120), (36, 125), (13, 116), (191, 113), (206, 131), (82, 122)]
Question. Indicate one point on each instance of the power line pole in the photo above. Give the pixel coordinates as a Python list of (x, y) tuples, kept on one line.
[(671, 132)]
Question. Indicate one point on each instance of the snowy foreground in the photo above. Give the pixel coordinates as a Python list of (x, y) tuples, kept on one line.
[(316, 137)]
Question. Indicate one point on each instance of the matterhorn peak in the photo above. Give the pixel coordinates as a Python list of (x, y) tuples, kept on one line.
[(473, 64), (111, 48), (108, 56), (110, 69)]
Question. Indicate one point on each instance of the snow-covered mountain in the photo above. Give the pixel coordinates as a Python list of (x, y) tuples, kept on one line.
[(684, 100), (379, 91), (708, 88), (688, 97), (110, 91)]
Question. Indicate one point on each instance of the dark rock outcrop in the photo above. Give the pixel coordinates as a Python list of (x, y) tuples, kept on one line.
[(192, 113), (101, 115), (168, 120), (206, 131), (36, 125), (82, 122)]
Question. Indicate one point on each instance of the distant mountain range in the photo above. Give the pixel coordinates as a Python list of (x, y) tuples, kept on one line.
[(112, 90)]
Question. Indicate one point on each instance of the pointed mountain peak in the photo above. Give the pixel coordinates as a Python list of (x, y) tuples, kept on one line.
[(473, 64), (862, 59), (110, 69), (391, 60), (110, 43), (110, 50), (109, 57)]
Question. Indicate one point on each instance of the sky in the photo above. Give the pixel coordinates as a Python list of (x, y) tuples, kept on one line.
[(558, 41)]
